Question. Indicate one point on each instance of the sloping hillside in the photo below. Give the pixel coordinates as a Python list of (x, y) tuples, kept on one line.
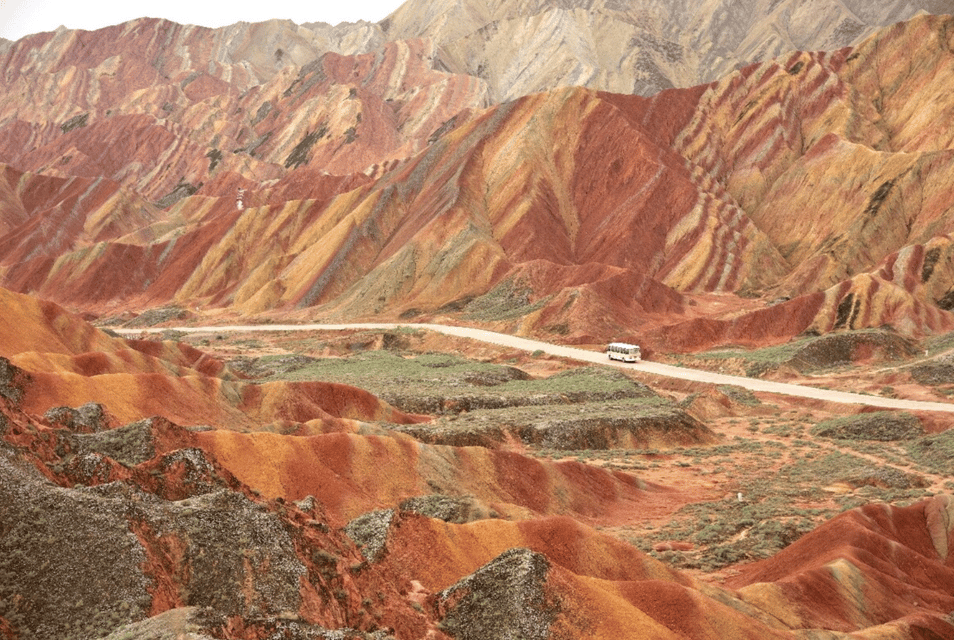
[(59, 360), (526, 46), (146, 529), (808, 180), (806, 193)]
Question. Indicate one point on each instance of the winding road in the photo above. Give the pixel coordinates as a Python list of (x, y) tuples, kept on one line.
[(583, 355)]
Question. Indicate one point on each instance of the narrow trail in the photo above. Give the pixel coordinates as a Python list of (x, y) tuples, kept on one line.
[(583, 355)]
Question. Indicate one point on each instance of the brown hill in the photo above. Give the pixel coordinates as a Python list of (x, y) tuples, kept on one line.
[(133, 530), (130, 103), (572, 213), (175, 541), (527, 46), (877, 564), (344, 472), (60, 360)]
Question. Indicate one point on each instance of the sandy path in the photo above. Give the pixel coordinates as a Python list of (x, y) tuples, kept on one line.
[(583, 355)]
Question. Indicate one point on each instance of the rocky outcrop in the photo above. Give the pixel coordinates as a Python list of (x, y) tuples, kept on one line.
[(89, 418), (851, 571), (12, 382), (503, 599), (114, 558), (591, 426), (369, 531)]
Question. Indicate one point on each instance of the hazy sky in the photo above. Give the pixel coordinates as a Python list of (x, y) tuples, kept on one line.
[(22, 17)]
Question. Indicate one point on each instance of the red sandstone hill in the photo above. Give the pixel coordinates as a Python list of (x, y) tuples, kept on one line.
[(149, 528), (146, 490), (65, 362), (152, 104), (810, 180)]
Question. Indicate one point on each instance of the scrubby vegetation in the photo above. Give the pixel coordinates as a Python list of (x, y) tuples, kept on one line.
[(786, 475), (886, 426), (815, 353)]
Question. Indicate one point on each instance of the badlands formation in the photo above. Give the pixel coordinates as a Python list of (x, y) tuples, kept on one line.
[(389, 191), (761, 187)]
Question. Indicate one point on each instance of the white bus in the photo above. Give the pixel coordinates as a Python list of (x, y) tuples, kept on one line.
[(623, 351)]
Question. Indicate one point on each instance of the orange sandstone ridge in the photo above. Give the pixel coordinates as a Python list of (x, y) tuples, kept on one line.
[(151, 527), (68, 362)]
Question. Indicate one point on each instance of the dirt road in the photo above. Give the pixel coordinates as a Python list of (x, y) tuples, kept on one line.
[(583, 355)]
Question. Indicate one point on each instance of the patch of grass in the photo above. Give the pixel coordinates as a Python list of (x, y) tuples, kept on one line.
[(770, 355), (824, 470), (933, 452), (815, 353), (584, 381), (437, 383), (509, 299), (888, 452), (781, 430), (731, 450), (382, 369), (730, 531), (778, 504), (884, 426), (739, 394), (554, 422), (940, 344)]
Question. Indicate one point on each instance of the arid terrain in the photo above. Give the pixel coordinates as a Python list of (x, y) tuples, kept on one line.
[(758, 189), (235, 485), (390, 190)]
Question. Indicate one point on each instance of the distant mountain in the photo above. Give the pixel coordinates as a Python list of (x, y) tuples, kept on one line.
[(518, 47), (641, 47), (158, 106), (819, 178), (387, 188)]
